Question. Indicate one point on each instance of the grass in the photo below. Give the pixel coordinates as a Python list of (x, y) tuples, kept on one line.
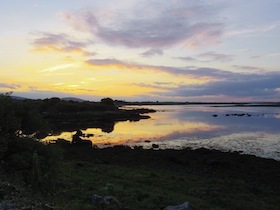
[(142, 188), (154, 180)]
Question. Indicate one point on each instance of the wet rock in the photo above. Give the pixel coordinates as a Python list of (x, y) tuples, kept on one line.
[(96, 199), (215, 115), (155, 146), (184, 206), (89, 135), (76, 139), (79, 133), (106, 202)]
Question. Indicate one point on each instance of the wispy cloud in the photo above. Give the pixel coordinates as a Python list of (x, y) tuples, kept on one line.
[(110, 62), (157, 85), (276, 54), (187, 58), (208, 57), (253, 68), (10, 86), (152, 52), (45, 41), (59, 67), (252, 31), (162, 26), (212, 56)]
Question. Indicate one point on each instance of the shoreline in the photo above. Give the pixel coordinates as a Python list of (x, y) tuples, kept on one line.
[(83, 141), (219, 104)]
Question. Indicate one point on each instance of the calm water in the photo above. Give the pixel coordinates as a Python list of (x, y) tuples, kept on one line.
[(257, 132)]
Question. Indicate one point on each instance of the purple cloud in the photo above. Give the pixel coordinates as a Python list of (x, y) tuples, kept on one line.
[(208, 57), (162, 26), (212, 56), (253, 68), (106, 62), (152, 52), (187, 58), (58, 42), (186, 71), (82, 20), (252, 86)]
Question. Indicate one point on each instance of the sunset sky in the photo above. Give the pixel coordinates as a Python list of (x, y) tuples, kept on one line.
[(140, 50)]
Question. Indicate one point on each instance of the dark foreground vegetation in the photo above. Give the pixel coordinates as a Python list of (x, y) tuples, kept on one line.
[(70, 176)]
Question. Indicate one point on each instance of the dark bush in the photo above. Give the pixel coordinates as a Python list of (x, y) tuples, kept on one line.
[(32, 162), (25, 158)]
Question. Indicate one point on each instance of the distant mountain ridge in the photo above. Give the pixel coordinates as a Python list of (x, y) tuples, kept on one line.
[(64, 99), (72, 99), (18, 98)]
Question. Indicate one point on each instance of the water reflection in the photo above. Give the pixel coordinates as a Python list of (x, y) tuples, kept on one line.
[(253, 130)]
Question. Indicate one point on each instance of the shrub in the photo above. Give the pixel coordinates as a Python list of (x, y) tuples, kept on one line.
[(24, 158), (32, 162)]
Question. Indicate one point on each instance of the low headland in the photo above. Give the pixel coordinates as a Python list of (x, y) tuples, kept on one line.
[(66, 175)]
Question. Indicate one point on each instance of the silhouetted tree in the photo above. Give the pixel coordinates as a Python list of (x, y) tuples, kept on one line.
[(108, 101), (9, 122)]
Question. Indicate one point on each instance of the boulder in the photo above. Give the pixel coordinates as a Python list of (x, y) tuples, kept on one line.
[(79, 133), (106, 202), (184, 206), (96, 199)]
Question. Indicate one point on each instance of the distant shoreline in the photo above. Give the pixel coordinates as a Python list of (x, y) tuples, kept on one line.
[(219, 104), (142, 103)]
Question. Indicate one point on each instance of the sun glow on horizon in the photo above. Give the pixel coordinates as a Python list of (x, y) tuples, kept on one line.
[(169, 53)]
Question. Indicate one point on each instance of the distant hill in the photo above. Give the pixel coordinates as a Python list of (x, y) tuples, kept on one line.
[(72, 99), (18, 98)]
